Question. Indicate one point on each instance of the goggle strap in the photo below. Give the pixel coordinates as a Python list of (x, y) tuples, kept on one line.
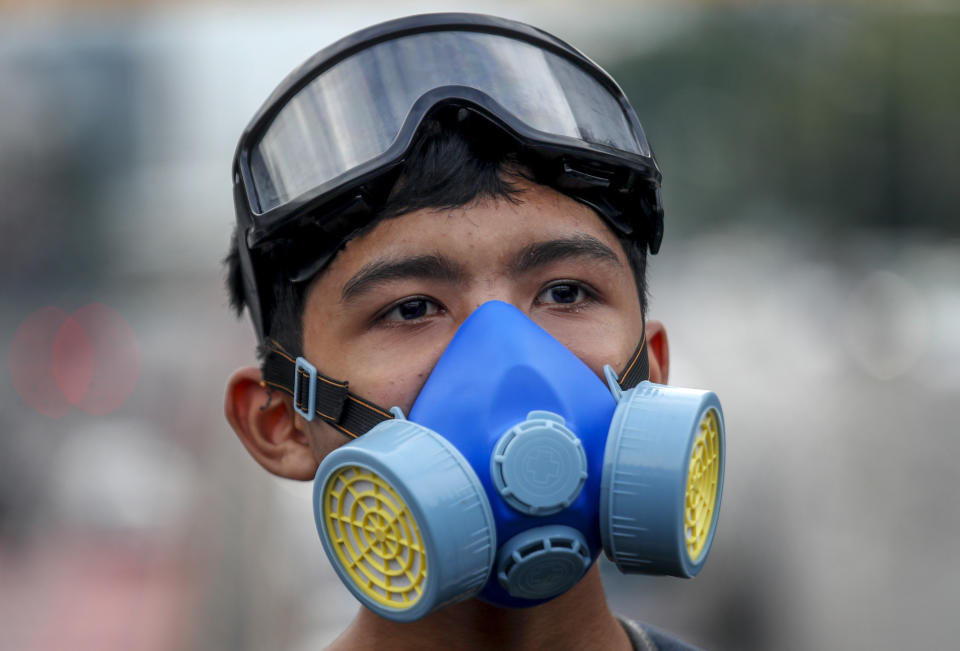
[(638, 368), (332, 401)]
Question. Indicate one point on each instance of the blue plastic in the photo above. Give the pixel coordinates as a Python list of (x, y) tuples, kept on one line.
[(499, 367), (303, 365), (542, 562), (645, 475), (446, 499), (539, 466)]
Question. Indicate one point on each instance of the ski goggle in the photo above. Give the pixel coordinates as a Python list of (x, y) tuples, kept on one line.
[(323, 150), (352, 113)]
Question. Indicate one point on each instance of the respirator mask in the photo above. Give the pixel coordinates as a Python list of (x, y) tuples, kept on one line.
[(515, 466)]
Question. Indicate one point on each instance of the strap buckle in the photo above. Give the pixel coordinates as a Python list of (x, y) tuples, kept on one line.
[(305, 373)]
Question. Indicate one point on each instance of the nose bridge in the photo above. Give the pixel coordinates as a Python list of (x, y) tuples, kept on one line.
[(473, 298), (490, 287)]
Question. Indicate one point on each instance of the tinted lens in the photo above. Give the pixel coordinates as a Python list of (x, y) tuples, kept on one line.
[(353, 111)]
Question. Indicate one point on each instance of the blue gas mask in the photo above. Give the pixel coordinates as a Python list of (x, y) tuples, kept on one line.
[(515, 466)]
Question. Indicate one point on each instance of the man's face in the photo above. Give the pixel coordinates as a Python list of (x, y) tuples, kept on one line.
[(385, 309)]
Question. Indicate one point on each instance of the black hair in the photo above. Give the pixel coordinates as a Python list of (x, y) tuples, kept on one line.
[(456, 158)]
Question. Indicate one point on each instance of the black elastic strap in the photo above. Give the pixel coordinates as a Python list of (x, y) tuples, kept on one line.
[(638, 368), (348, 413)]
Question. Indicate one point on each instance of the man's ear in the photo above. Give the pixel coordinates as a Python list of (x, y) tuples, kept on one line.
[(266, 425), (658, 352)]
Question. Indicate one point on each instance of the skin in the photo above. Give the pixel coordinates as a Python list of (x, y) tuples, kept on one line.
[(382, 314)]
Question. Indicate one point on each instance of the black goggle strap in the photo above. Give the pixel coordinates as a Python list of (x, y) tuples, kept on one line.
[(318, 395), (638, 368)]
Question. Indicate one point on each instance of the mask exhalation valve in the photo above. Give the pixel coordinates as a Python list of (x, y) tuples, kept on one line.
[(543, 562)]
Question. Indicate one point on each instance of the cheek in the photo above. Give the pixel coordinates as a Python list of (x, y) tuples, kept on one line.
[(324, 440), (393, 385), (398, 388), (394, 379), (608, 341), (596, 356)]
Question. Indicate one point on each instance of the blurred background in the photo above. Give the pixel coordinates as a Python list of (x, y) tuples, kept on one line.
[(810, 275)]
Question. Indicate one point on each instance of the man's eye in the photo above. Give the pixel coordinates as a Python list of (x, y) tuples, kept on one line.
[(563, 293), (409, 310)]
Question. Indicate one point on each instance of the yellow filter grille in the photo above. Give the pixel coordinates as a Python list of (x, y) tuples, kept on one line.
[(702, 476), (375, 537)]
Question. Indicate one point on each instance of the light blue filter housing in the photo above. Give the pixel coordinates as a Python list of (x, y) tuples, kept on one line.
[(431, 541), (647, 466)]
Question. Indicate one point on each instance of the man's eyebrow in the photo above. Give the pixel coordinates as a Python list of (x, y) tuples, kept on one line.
[(539, 254), (427, 267)]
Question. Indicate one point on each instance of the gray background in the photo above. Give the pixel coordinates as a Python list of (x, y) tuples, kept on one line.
[(810, 274)]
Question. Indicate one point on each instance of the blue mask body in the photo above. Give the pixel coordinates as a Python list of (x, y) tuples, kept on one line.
[(498, 368)]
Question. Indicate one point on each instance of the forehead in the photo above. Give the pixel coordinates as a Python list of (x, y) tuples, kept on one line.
[(482, 236)]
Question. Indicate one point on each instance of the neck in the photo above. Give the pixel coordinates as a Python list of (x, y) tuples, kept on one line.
[(577, 619)]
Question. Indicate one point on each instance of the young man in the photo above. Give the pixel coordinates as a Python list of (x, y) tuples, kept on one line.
[(391, 189)]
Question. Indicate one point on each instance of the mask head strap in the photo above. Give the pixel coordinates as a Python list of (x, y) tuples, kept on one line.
[(318, 395), (638, 368)]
